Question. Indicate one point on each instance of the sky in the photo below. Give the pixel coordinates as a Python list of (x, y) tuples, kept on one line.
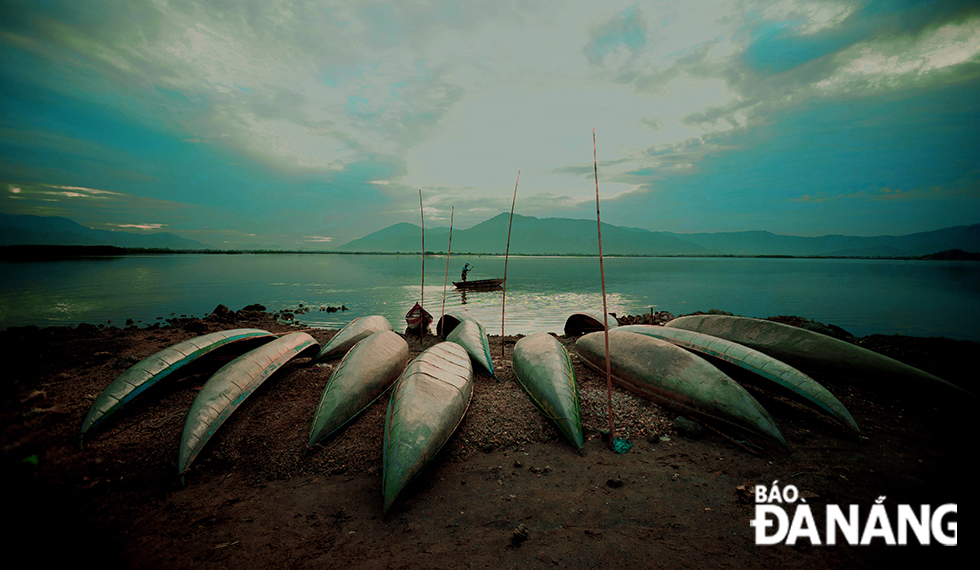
[(304, 125)]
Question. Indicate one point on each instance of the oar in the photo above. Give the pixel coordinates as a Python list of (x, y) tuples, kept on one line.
[(503, 296)]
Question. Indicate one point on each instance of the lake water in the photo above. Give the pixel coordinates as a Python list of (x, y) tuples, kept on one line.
[(863, 296)]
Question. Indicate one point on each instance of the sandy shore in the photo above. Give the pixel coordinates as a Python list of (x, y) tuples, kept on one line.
[(507, 492)]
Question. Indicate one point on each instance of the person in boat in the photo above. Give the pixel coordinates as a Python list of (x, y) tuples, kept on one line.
[(466, 270)]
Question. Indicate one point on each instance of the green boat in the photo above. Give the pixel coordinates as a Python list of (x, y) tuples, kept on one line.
[(228, 388), (354, 332), (585, 322), (818, 354), (428, 403), (471, 335), (673, 377), (804, 388), (363, 376), (544, 371), (151, 370)]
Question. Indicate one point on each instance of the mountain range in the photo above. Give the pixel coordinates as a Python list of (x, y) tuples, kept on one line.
[(53, 230), (562, 236)]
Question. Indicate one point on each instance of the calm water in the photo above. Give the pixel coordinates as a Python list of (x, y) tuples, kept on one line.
[(863, 296)]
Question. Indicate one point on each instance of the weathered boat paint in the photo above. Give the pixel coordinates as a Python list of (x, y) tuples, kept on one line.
[(675, 378), (585, 322), (544, 371), (783, 375), (471, 335), (228, 388), (354, 332), (427, 404), (151, 370), (818, 354), (361, 378)]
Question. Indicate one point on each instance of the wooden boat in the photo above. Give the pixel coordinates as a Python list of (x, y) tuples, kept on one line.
[(228, 388), (354, 332), (585, 322), (806, 389), (818, 354), (418, 317), (544, 371), (471, 335), (428, 403), (363, 376), (160, 365), (479, 284), (673, 377)]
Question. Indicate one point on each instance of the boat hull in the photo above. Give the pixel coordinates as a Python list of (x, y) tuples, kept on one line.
[(151, 370), (586, 322), (363, 376), (544, 371), (354, 332), (818, 354), (427, 404), (228, 388), (677, 379), (471, 335), (479, 284), (775, 371)]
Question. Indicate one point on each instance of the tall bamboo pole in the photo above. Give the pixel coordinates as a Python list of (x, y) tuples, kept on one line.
[(503, 297), (422, 295), (605, 312), (445, 284)]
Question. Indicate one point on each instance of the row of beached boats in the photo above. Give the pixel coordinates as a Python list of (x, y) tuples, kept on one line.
[(680, 365)]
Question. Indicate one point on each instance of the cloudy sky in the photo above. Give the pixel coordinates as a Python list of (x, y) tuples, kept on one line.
[(307, 124)]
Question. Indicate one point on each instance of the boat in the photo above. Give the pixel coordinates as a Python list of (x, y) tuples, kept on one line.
[(544, 371), (818, 354), (448, 321), (427, 404), (352, 333), (673, 377), (585, 322), (418, 317), (228, 388), (471, 335), (804, 388), (151, 370), (364, 375), (479, 284)]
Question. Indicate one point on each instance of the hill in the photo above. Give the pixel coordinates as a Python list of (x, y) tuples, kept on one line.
[(53, 230)]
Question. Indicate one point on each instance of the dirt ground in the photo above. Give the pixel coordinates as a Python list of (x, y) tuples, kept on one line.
[(506, 492)]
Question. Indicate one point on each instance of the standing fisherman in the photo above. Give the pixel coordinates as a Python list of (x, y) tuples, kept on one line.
[(466, 269)]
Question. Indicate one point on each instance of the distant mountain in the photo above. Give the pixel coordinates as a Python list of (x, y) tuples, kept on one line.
[(562, 236), (52, 230)]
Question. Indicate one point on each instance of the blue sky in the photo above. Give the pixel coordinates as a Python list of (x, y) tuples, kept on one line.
[(308, 124)]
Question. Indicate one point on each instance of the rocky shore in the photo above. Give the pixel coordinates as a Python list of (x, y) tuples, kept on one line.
[(507, 491)]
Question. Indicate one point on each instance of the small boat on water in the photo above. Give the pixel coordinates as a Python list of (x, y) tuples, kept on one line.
[(544, 371), (418, 317), (428, 403), (479, 284), (673, 377)]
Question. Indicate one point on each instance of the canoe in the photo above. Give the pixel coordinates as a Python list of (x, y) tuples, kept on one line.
[(354, 332), (808, 390), (228, 388), (471, 335), (416, 317), (544, 371), (673, 377), (428, 403), (479, 284), (160, 365), (818, 354), (449, 321), (363, 376), (586, 322)]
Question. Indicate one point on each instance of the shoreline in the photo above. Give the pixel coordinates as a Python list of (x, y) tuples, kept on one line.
[(253, 499)]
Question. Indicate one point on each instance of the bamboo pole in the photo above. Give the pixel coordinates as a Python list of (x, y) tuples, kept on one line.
[(445, 284), (422, 295), (503, 297), (605, 312)]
